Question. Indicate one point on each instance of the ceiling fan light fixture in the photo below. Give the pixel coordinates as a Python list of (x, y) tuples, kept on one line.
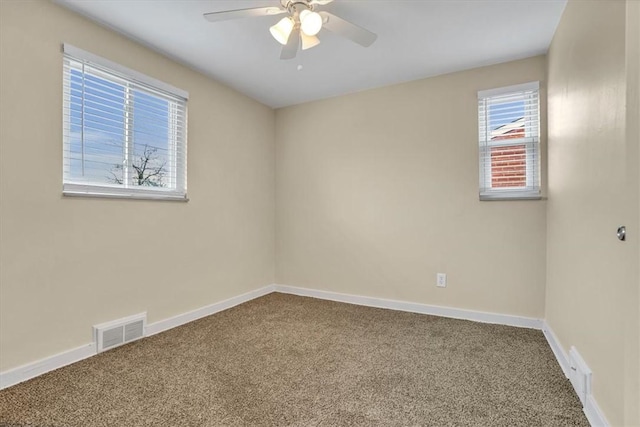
[(282, 30), (310, 22), (308, 41)]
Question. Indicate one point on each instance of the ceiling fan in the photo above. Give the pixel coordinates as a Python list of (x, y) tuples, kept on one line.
[(301, 25)]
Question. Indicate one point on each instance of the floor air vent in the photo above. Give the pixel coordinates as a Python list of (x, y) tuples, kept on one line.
[(579, 375), (113, 334)]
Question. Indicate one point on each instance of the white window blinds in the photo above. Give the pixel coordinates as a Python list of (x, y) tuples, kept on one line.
[(509, 142), (124, 133)]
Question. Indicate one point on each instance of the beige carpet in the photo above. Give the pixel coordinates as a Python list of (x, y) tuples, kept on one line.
[(283, 360)]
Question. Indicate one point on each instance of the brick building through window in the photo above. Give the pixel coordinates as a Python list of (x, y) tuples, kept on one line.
[(509, 163)]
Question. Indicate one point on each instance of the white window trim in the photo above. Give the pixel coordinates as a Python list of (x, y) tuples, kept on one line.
[(488, 93), (76, 189), (519, 193), (127, 72)]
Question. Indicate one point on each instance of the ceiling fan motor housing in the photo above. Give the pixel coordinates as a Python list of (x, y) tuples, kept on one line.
[(296, 6)]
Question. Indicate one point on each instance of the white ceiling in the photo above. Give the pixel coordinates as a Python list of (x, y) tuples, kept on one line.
[(416, 39)]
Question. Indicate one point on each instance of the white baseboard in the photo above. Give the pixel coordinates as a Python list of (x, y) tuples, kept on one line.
[(594, 415), (42, 366), (558, 351), (181, 319), (23, 373), (32, 370), (456, 313), (591, 409)]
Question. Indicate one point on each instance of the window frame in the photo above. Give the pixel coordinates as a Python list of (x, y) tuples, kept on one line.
[(532, 188), (124, 76)]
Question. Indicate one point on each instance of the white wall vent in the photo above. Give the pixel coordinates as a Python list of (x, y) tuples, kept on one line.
[(117, 332), (579, 375)]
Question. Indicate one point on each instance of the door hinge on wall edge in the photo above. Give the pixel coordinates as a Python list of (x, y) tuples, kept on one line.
[(117, 332)]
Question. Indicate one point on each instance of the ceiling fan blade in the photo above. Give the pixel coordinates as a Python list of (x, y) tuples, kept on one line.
[(290, 50), (242, 13), (320, 2), (348, 30)]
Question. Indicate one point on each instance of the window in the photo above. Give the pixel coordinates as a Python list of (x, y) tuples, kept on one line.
[(124, 133), (508, 120)]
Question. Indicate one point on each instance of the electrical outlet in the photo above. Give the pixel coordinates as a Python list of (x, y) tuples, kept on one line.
[(441, 280)]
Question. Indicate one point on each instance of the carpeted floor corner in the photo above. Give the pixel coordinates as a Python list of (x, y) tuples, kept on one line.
[(284, 360)]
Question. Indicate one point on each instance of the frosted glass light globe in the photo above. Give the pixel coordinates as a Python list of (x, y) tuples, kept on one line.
[(310, 22), (282, 30)]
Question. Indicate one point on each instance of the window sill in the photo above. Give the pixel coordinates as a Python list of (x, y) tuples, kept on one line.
[(506, 198), (76, 190)]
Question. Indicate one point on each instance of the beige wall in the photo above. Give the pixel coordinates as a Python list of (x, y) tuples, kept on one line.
[(378, 191), (69, 263), (592, 278)]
